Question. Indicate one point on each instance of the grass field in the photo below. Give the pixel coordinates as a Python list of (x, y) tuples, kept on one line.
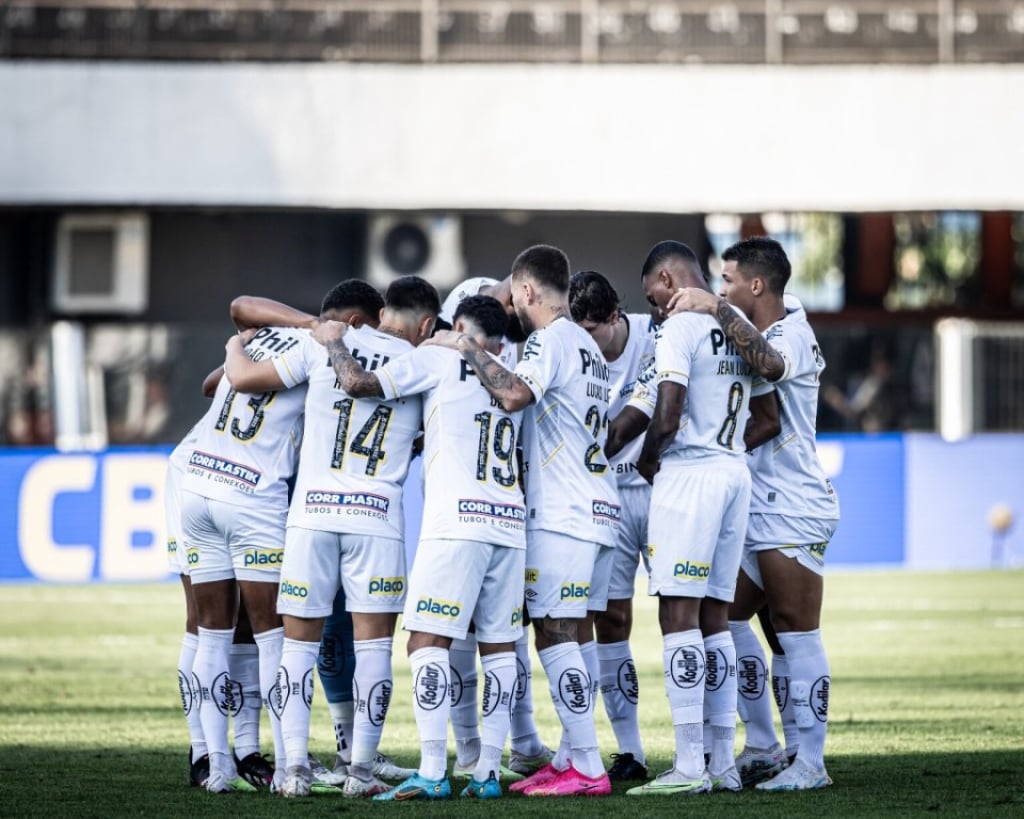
[(927, 709)]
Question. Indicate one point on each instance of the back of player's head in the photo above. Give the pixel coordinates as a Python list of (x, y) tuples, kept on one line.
[(485, 313), (546, 265), (592, 297), (353, 293), (411, 294), (664, 253), (764, 257)]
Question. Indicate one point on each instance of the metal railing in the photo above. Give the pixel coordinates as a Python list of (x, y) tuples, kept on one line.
[(568, 31)]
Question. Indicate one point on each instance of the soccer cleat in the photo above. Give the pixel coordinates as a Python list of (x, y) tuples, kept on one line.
[(256, 770), (571, 782), (526, 765), (356, 788), (727, 780), (466, 772), (324, 775), (488, 789), (539, 777), (340, 766), (385, 768), (298, 782), (670, 783), (797, 777), (626, 767), (198, 770), (758, 764), (217, 782), (416, 787)]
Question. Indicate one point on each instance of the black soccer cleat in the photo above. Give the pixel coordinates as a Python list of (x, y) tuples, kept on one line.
[(198, 770), (256, 770), (626, 768)]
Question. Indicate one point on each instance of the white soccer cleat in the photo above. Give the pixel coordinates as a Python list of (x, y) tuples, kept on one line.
[(758, 764), (298, 781), (356, 788), (324, 775), (797, 777), (384, 768), (726, 781)]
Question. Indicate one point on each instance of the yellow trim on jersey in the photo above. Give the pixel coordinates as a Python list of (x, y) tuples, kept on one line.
[(291, 375), (394, 390), (551, 457), (784, 442), (554, 405)]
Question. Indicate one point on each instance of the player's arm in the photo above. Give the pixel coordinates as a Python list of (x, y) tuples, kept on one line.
[(356, 381), (211, 381), (504, 385), (662, 429), (256, 311), (623, 428), (246, 375), (764, 423), (750, 344)]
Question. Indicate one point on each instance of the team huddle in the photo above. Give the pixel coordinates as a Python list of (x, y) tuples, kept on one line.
[(683, 437)]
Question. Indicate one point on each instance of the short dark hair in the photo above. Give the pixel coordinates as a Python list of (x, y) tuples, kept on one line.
[(353, 293), (546, 265), (764, 257), (666, 251), (486, 313), (413, 294), (591, 297)]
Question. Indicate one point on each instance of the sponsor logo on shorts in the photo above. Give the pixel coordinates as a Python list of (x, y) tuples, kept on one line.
[(263, 557), (517, 616), (650, 550), (629, 681), (192, 557), (431, 687), (297, 591), (438, 608), (354, 500), (686, 668), (574, 591), (819, 698), (574, 690), (502, 511), (532, 575), (818, 550), (387, 585), (603, 509), (750, 677), (172, 546), (697, 571), (225, 468)]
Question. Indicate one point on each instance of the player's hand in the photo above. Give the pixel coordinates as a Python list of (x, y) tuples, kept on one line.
[(648, 469), (691, 300), (443, 338), (241, 338), (327, 331)]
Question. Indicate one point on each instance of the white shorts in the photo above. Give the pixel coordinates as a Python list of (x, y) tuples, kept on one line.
[(231, 541), (631, 547), (600, 579), (803, 539), (698, 523), (559, 570), (316, 564), (455, 582), (177, 555)]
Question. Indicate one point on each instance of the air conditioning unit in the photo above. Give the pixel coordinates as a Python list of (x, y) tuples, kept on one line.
[(426, 245), (101, 263)]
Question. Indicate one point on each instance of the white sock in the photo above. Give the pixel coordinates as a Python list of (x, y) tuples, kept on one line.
[(342, 714), (809, 683), (753, 703), (372, 687), (465, 722), (683, 659), (217, 695), (720, 700), (244, 666), (784, 702), (190, 694), (525, 739), (270, 644), (295, 689), (569, 685), (619, 691), (431, 705), (499, 694)]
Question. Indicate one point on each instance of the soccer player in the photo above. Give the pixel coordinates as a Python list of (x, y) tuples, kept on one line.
[(693, 452), (571, 498), (627, 343), (345, 524), (793, 512), (471, 556)]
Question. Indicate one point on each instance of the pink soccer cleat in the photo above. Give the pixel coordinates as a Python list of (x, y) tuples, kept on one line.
[(542, 776), (571, 782)]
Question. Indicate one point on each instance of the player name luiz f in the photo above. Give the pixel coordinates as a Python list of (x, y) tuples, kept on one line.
[(221, 466)]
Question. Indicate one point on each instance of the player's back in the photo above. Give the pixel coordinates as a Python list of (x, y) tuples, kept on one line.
[(355, 451), (246, 445), (570, 487)]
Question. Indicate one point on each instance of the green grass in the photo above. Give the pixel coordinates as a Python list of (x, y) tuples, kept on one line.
[(927, 709)]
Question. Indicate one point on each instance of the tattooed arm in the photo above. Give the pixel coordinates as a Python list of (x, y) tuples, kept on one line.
[(503, 384), (353, 379)]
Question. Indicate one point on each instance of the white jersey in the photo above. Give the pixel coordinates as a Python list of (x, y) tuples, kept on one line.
[(178, 459), (693, 350), (625, 372), (246, 445), (787, 476), (356, 451), (469, 453), (471, 287), (569, 486)]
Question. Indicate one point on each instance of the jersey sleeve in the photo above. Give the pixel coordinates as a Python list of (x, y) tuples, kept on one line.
[(760, 386), (783, 344), (295, 365), (673, 351), (539, 364), (645, 394), (417, 371)]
